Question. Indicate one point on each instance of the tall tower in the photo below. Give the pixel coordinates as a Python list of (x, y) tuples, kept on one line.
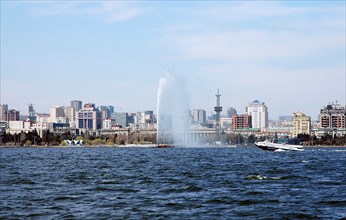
[(217, 109)]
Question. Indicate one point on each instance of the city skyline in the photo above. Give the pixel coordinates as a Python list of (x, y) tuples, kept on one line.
[(30, 111), (290, 55)]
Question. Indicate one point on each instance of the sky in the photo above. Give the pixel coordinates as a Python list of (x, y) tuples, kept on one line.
[(288, 54)]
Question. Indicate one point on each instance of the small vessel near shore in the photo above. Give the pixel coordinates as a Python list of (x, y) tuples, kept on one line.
[(164, 145), (271, 146)]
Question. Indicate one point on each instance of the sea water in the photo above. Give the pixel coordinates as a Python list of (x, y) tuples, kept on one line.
[(173, 183)]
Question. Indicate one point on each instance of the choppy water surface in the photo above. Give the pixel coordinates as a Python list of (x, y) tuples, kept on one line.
[(176, 183)]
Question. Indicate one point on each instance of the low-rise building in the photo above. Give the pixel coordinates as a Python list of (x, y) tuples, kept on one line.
[(242, 121), (15, 127)]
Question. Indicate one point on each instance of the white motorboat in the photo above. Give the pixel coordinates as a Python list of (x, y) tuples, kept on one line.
[(267, 145)]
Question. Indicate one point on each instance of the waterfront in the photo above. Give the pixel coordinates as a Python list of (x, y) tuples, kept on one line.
[(174, 183)]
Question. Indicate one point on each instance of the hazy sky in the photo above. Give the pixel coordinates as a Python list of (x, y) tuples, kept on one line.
[(288, 54)]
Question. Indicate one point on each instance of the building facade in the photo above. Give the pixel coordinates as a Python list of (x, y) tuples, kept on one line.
[(333, 116), (29, 110), (89, 118), (76, 105), (243, 121), (199, 116), (230, 112), (259, 114), (301, 124), (8, 114), (107, 111), (16, 127), (62, 114), (56, 112), (120, 118), (107, 124)]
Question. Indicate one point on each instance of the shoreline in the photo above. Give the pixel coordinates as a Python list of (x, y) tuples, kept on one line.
[(152, 146)]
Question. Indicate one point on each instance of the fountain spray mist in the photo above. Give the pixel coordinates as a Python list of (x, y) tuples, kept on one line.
[(172, 110)]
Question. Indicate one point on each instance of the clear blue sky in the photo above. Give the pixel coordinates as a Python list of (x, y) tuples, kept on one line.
[(288, 54)]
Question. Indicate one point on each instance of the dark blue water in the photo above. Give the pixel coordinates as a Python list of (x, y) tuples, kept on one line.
[(175, 183)]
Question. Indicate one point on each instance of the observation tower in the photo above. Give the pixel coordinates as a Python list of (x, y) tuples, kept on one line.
[(217, 109)]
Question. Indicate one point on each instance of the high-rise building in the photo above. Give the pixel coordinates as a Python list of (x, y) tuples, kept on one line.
[(106, 111), (333, 116), (301, 124), (8, 114), (230, 112), (120, 118), (12, 115), (110, 109), (259, 114), (199, 116), (89, 117), (76, 105), (3, 111), (241, 121), (57, 114), (29, 110)]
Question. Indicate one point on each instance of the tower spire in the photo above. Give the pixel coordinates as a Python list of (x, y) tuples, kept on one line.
[(217, 109)]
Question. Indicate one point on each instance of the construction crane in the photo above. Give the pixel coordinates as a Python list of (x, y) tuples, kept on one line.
[(30, 109)]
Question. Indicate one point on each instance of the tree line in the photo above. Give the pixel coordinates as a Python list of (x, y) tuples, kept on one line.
[(48, 138)]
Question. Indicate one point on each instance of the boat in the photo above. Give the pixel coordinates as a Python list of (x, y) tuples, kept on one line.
[(271, 146), (164, 145)]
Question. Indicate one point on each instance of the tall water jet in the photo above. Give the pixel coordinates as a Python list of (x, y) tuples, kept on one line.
[(172, 110)]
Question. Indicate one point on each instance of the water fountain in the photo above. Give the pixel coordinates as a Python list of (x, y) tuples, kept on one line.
[(172, 110)]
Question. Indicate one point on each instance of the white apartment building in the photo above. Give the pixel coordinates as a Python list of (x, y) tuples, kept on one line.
[(107, 124), (16, 127), (259, 114)]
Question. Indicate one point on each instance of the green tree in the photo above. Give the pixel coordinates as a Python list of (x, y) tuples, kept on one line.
[(98, 141)]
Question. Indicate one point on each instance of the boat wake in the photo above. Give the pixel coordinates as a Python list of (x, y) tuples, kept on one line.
[(260, 177)]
